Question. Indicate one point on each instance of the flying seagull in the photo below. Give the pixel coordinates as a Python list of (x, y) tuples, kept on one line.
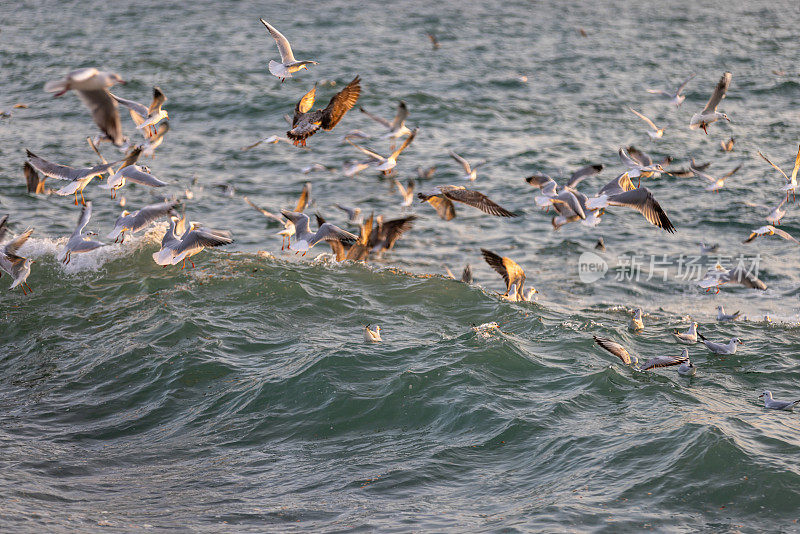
[(656, 133), (470, 171), (620, 192), (305, 239), (385, 234), (305, 122), (628, 359), (146, 117), (512, 274), (792, 182), (78, 178), (77, 242), (16, 266), (288, 63), (193, 242), (138, 220), (386, 164), (710, 113), (406, 191), (271, 140), (472, 198), (397, 127), (714, 184), (92, 88), (775, 214), (676, 98), (132, 173), (770, 230), (718, 276)]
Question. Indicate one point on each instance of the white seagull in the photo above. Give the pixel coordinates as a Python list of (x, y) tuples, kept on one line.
[(16, 266), (288, 63), (687, 368), (770, 230), (690, 336), (77, 242), (305, 239), (78, 178), (636, 321), (710, 113), (714, 184), (397, 127), (773, 404), (372, 336), (138, 220), (721, 348), (386, 164), (657, 132), (406, 191), (471, 171), (792, 182), (131, 173), (775, 214), (724, 317), (146, 117), (676, 98)]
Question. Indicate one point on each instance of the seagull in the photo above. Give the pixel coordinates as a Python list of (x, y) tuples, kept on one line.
[(775, 214), (773, 404), (708, 249), (721, 348), (388, 163), (146, 117), (718, 276), (138, 220), (549, 189), (354, 134), (354, 167), (770, 230), (372, 336), (92, 88), (316, 167), (155, 141), (132, 173), (724, 317), (636, 321), (397, 127), (34, 182), (470, 197), (77, 242), (686, 173), (715, 184), (657, 132), (425, 174), (466, 275), (271, 140), (386, 234), (676, 98), (288, 226), (637, 169), (353, 214), (600, 245), (193, 241), (79, 178), (305, 122), (628, 359), (177, 227), (792, 182), (16, 266), (512, 274), (710, 113), (727, 146), (305, 239), (288, 63), (620, 192), (687, 368), (360, 249), (434, 41), (690, 336), (406, 191), (471, 171)]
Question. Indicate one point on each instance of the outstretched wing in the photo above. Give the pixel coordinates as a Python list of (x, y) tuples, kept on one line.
[(341, 103), (377, 119), (158, 100), (284, 47), (305, 104), (583, 173), (400, 117), (642, 200), (719, 93), (614, 348), (104, 112), (305, 198), (476, 199), (464, 163), (663, 361)]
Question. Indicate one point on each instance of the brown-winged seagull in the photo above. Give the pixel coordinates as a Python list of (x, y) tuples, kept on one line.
[(458, 193), (305, 122)]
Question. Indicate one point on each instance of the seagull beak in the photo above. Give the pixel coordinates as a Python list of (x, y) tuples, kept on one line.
[(760, 395)]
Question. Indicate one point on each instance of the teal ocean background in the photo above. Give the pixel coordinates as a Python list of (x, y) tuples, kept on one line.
[(239, 396)]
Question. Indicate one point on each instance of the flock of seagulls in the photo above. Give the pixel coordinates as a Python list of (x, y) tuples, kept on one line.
[(184, 239)]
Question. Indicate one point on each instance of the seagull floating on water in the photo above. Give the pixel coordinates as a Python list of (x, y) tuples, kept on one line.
[(372, 336), (773, 404), (288, 64), (628, 359), (636, 321), (690, 336), (721, 348), (724, 317), (687, 368)]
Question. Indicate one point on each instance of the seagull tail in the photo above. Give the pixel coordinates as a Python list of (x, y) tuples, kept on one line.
[(279, 70)]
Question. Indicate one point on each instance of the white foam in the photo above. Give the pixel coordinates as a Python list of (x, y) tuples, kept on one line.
[(42, 248)]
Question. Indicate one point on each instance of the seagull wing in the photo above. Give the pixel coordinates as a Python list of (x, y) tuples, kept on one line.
[(663, 361), (543, 182), (614, 348), (135, 107), (368, 152), (645, 119), (300, 221), (464, 163), (583, 173), (511, 272), (765, 158), (642, 200), (83, 219), (264, 212), (620, 184), (443, 206), (719, 93), (305, 104), (377, 119), (476, 199), (104, 112), (627, 160), (400, 117), (682, 86), (341, 103), (639, 156), (395, 228), (731, 173), (158, 100), (331, 232), (305, 198), (405, 144), (784, 234), (35, 183), (203, 238), (53, 170), (134, 173), (284, 47), (152, 212), (466, 276), (796, 164), (14, 245)]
